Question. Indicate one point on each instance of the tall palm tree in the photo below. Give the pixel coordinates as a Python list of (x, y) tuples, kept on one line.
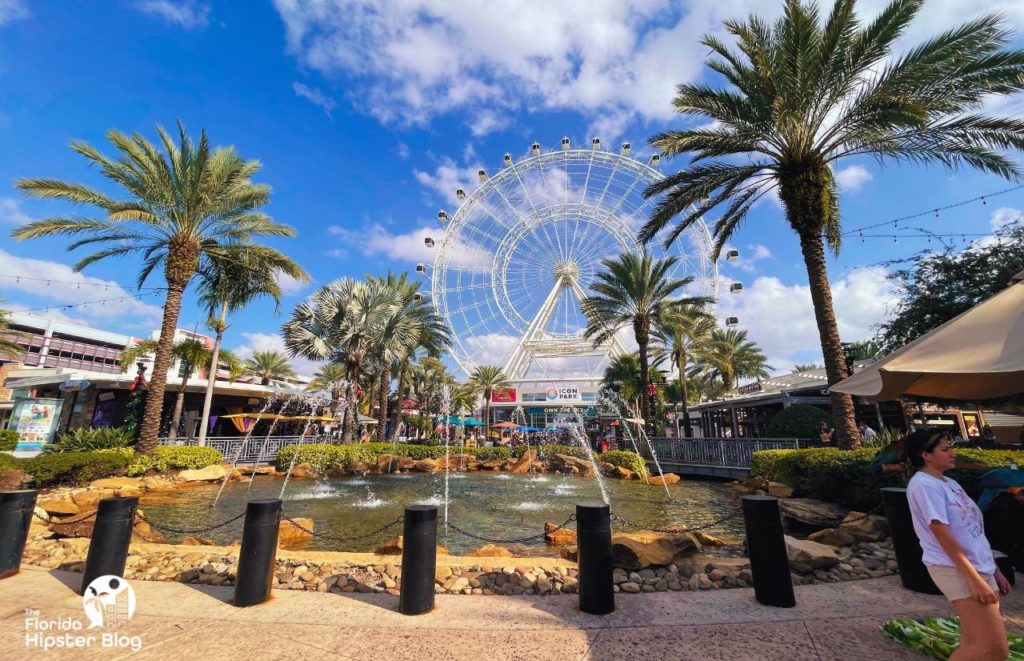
[(683, 333), (331, 378), (430, 377), (269, 367), (804, 367), (8, 348), (623, 376), (805, 93), (193, 355), (486, 380), (635, 289), (464, 399), (228, 284), (184, 205), (340, 323), (731, 356)]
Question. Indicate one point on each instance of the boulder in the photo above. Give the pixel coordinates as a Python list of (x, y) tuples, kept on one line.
[(623, 473), (648, 549), (291, 534), (303, 472), (161, 483), (387, 463), (525, 463), (79, 525), (255, 470), (607, 468), (779, 490), (60, 507), (393, 546), (116, 483), (805, 556), (90, 498), (198, 541), (711, 540), (832, 537), (425, 466), (490, 551), (208, 474), (358, 468), (570, 553), (493, 464), (810, 512), (865, 527), (142, 532), (569, 463), (660, 480), (556, 535)]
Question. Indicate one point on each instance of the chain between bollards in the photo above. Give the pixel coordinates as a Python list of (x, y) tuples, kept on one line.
[(342, 538), (512, 540), (189, 531), (675, 531)]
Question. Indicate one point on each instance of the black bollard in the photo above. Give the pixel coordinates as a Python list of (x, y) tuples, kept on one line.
[(594, 544), (913, 574), (259, 550), (419, 559), (769, 562), (111, 535), (16, 508)]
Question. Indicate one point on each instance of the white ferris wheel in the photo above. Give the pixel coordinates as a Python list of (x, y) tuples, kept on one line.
[(523, 248)]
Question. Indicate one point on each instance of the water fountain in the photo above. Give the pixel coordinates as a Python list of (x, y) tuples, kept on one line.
[(446, 409), (617, 405), (577, 429), (245, 442)]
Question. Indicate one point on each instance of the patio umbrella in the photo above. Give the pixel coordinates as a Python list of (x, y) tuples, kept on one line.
[(505, 425), (978, 355), (472, 422)]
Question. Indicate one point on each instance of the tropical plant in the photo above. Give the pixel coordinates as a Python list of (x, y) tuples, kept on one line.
[(864, 350), (341, 324), (807, 92), (463, 399), (486, 380), (331, 379), (798, 421), (90, 439), (269, 367), (623, 377), (8, 347), (184, 206), (684, 333), (730, 356), (804, 367), (636, 289), (228, 284), (192, 354)]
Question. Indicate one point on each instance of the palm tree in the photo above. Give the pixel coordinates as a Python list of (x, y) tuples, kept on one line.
[(864, 350), (8, 348), (192, 354), (331, 378), (805, 93), (804, 367), (635, 289), (730, 356), (683, 333), (623, 376), (486, 379), (341, 323), (228, 284), (463, 398), (269, 367), (184, 206)]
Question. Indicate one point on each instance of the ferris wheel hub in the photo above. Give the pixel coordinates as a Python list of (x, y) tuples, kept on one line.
[(567, 269)]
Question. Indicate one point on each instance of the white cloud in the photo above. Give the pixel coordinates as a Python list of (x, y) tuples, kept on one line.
[(316, 97), (376, 240), (10, 212), (12, 10), (490, 348), (403, 151), (780, 317), (188, 14), (274, 342), (487, 122), (449, 177), (106, 301), (289, 285), (748, 259), (1004, 216), (851, 179)]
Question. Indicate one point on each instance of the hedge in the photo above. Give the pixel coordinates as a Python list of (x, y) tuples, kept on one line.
[(629, 460), (842, 476), (798, 421), (78, 467), (8, 440)]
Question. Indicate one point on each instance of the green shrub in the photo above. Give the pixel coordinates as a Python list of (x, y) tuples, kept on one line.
[(797, 421), (186, 457), (88, 440), (8, 439), (626, 459), (74, 467), (7, 461), (570, 450), (497, 452)]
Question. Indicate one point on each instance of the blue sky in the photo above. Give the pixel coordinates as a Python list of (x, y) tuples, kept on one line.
[(367, 119)]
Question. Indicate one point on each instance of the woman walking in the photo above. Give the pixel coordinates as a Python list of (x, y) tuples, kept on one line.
[(959, 559)]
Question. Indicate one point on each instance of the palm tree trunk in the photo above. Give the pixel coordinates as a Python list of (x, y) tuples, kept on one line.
[(828, 330), (396, 415), (211, 379), (640, 330), (351, 414), (179, 404), (382, 397), (684, 391), (487, 415), (161, 361)]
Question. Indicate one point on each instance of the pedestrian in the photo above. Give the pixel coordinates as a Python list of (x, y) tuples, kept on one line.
[(959, 559), (988, 437), (825, 432), (865, 430)]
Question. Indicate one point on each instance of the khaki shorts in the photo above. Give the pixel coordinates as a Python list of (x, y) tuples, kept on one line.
[(954, 585)]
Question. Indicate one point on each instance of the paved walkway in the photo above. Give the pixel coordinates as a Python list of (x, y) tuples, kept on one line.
[(178, 621)]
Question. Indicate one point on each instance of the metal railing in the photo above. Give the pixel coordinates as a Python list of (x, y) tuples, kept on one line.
[(731, 452), (257, 448)]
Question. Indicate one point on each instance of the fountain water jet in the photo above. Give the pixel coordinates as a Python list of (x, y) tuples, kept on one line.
[(620, 407), (245, 441)]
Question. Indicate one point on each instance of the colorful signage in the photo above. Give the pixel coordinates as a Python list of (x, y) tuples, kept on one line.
[(36, 421), (506, 396), (563, 394)]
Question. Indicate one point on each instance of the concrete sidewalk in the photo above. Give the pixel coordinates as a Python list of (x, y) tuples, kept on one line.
[(179, 621)]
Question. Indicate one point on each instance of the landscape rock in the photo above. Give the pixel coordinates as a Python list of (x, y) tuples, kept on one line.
[(814, 513), (425, 466), (623, 473), (865, 528), (290, 534), (805, 556), (556, 535), (491, 551), (60, 507), (208, 474), (647, 549), (661, 480), (832, 537), (116, 483), (779, 490), (525, 463), (79, 525), (388, 463)]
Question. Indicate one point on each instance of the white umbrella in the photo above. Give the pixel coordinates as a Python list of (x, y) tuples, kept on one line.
[(978, 355)]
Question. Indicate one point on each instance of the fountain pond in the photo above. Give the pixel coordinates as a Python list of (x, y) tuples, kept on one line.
[(496, 505)]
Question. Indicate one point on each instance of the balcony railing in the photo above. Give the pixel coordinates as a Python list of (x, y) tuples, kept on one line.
[(729, 452), (257, 448)]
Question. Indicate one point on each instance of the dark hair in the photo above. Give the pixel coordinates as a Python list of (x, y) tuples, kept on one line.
[(923, 440)]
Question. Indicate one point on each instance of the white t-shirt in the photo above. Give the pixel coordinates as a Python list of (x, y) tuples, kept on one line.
[(945, 501)]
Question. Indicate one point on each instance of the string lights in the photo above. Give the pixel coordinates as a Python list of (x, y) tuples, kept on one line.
[(70, 306), (78, 284)]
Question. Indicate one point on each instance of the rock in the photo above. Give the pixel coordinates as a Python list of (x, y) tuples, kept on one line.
[(490, 551), (158, 483), (832, 537), (79, 525), (629, 586), (864, 528), (392, 546), (569, 462), (556, 535), (208, 474), (570, 553), (711, 540), (661, 480), (493, 464), (425, 466), (39, 515), (60, 507), (442, 572), (116, 483), (623, 473), (525, 463), (805, 556), (198, 541), (810, 512), (290, 534), (89, 499), (646, 549), (388, 463), (303, 473), (142, 532), (779, 490)]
